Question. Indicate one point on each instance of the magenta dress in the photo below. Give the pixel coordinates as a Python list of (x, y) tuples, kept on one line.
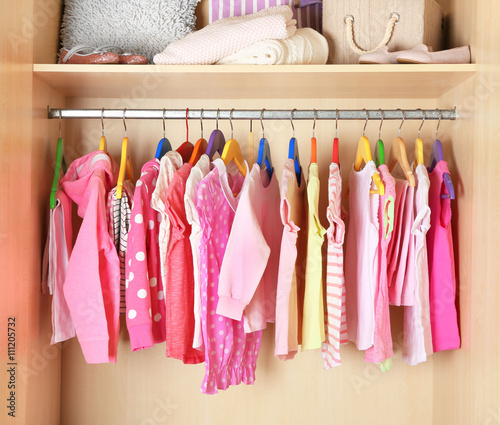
[(444, 322), (230, 354)]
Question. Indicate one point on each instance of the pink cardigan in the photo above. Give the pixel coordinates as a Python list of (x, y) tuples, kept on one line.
[(94, 267)]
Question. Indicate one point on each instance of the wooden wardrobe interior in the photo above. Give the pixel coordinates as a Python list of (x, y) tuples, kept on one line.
[(55, 385)]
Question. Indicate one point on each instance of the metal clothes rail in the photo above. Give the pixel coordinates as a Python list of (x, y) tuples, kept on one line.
[(256, 114)]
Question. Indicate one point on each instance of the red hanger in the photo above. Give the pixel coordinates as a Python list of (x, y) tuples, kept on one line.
[(186, 149), (335, 154), (313, 142)]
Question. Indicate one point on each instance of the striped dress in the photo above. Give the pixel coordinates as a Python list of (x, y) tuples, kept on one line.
[(309, 16), (336, 324)]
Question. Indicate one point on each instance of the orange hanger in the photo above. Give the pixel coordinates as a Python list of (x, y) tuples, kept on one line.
[(363, 154), (186, 149), (201, 145), (103, 146), (419, 145), (335, 153), (313, 142), (125, 163), (398, 155), (232, 151)]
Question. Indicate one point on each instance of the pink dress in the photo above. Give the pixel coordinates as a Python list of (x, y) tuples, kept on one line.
[(143, 285), (230, 354), (382, 342), (444, 321), (336, 323), (361, 268)]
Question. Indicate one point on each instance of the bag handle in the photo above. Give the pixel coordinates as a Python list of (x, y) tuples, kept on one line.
[(349, 21)]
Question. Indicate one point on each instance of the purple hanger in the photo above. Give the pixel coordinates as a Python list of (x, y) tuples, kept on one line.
[(436, 156), (215, 143)]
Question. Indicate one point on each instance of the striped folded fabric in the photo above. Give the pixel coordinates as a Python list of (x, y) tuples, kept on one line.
[(308, 15)]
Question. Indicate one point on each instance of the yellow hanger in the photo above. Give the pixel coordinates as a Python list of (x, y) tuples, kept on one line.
[(125, 163), (419, 146), (103, 145), (232, 151), (398, 155), (363, 154)]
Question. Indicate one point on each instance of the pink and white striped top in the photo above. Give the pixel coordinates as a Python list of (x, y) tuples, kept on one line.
[(336, 324), (309, 16)]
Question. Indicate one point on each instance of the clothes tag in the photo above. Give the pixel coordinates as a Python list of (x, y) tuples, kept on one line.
[(388, 215)]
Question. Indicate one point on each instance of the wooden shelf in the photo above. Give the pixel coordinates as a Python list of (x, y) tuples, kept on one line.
[(254, 81)]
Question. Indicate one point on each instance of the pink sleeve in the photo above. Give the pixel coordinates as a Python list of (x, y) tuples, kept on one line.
[(83, 286), (137, 286), (244, 261)]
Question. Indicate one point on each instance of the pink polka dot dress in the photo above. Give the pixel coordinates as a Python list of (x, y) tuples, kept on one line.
[(230, 354)]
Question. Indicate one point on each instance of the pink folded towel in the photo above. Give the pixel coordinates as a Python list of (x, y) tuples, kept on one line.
[(227, 36)]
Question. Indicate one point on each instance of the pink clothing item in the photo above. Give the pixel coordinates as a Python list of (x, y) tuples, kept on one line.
[(55, 265), (444, 318), (227, 36), (291, 274), (361, 266), (119, 223), (94, 268), (179, 283), (382, 341), (198, 172), (169, 164), (401, 275), (144, 286), (249, 272), (417, 332), (230, 354), (336, 322)]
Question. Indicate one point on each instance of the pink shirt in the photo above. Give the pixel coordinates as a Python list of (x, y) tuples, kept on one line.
[(249, 272), (361, 269), (336, 323), (144, 286), (90, 288), (444, 321), (382, 342), (55, 264), (418, 338), (290, 288), (179, 283), (230, 354), (401, 275)]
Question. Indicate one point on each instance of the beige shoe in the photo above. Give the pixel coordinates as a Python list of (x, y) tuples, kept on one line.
[(456, 55), (383, 56)]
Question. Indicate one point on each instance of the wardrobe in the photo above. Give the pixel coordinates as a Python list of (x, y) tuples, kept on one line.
[(53, 384)]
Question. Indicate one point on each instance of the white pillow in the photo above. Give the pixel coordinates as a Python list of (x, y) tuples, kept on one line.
[(142, 27)]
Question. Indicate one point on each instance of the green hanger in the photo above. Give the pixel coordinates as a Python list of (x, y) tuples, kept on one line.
[(379, 156), (59, 161)]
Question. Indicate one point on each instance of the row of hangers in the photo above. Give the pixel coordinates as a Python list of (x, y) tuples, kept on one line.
[(398, 155), (230, 151)]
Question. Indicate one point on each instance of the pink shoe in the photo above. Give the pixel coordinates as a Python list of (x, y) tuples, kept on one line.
[(383, 56), (87, 55), (131, 59), (456, 55)]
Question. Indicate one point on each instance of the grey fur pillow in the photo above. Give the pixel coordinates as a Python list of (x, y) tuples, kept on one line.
[(142, 27)]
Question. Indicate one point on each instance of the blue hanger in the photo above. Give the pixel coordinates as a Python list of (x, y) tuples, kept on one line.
[(436, 156), (217, 140), (164, 144), (264, 157), (293, 152)]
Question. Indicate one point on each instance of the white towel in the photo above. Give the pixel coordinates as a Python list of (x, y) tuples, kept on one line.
[(305, 47), (227, 36)]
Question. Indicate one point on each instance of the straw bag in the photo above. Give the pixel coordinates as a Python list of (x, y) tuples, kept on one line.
[(356, 27)]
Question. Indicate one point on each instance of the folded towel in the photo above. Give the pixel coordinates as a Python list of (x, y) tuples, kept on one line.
[(227, 36), (305, 47)]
